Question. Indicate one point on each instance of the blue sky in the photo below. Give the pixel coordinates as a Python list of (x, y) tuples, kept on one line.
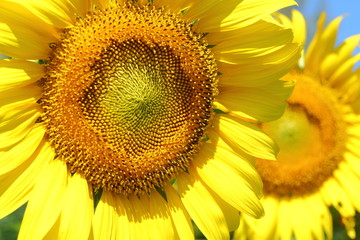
[(349, 8)]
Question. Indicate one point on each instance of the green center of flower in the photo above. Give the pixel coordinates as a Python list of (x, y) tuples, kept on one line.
[(311, 136), (137, 98), (127, 97), (295, 133)]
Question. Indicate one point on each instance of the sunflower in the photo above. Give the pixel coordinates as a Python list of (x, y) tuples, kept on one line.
[(319, 136), (133, 119)]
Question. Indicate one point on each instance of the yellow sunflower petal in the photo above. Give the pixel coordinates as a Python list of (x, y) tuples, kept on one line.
[(322, 43), (265, 41), (353, 160), (22, 151), (265, 103), (200, 8), (345, 71), (135, 212), (77, 211), (240, 161), (254, 60), (159, 218), (229, 15), (242, 232), (283, 230), (300, 219), (283, 20), (269, 220), (179, 215), (15, 97), (19, 110), (245, 137), (22, 43), (319, 213), (59, 13), (350, 89), (335, 59), (333, 194), (18, 73), (264, 227), (105, 217), (45, 203), (219, 177), (244, 165), (272, 55), (123, 227), (175, 6), (297, 23), (350, 183), (18, 113), (259, 70), (299, 26), (25, 35), (103, 4), (354, 130), (231, 214), (81, 7), (201, 206), (233, 41), (54, 232), (21, 18), (150, 217), (353, 144), (352, 118), (16, 190), (16, 129)]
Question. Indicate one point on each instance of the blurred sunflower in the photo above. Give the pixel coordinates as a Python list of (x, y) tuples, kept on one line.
[(116, 101), (319, 137)]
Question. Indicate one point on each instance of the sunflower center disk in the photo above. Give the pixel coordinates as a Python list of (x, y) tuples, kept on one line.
[(310, 135), (139, 104), (128, 105)]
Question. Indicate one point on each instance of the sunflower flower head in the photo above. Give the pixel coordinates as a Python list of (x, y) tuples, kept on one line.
[(144, 109), (139, 106), (318, 164)]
